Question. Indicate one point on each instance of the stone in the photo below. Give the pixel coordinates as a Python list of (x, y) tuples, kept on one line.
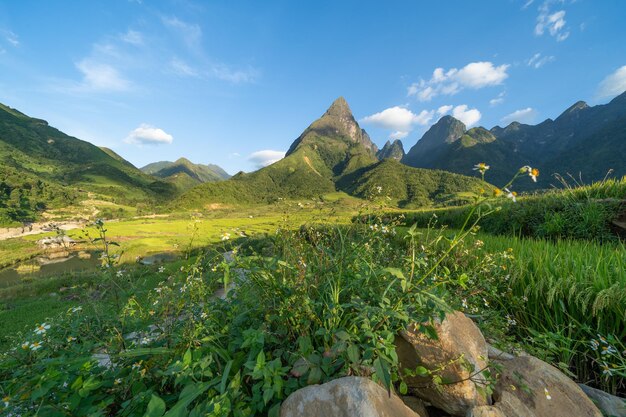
[(529, 387), (495, 353), (609, 405), (485, 411), (458, 338), (344, 397), (415, 404)]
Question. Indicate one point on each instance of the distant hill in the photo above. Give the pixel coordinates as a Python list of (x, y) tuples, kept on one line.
[(185, 174), (41, 167), (391, 150), (583, 140), (332, 154)]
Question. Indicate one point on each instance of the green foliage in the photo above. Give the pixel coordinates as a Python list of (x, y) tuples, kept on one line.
[(585, 212), (41, 167)]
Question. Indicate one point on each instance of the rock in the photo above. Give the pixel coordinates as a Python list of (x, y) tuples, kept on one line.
[(415, 404), (458, 338), (529, 387), (485, 411), (495, 353), (344, 397), (609, 405)]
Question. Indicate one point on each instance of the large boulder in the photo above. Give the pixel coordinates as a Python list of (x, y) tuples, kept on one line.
[(462, 351), (610, 405), (345, 397), (529, 387), (485, 411)]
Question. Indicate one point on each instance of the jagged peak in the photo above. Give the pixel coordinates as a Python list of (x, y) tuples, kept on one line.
[(339, 108), (574, 109)]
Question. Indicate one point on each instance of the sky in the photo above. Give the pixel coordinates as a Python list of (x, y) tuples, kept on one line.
[(234, 83)]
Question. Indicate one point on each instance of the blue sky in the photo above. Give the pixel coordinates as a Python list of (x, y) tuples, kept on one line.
[(234, 83)]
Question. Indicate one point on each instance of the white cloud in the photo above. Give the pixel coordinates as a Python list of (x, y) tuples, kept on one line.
[(132, 37), (474, 75), (223, 72), (149, 135), (528, 3), (190, 33), (614, 84), (554, 23), (100, 76), (398, 135), (526, 115), (444, 110), (265, 157), (11, 37), (497, 100), (399, 119), (180, 67), (468, 116), (538, 61)]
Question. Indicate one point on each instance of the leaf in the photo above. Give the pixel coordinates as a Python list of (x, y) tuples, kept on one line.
[(225, 376), (353, 353), (395, 272), (143, 352), (403, 388), (187, 358), (315, 376), (421, 371), (187, 396), (382, 372), (156, 407)]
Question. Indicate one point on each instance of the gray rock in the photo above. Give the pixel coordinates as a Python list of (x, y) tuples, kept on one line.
[(485, 411), (460, 345), (344, 397), (610, 405), (529, 387)]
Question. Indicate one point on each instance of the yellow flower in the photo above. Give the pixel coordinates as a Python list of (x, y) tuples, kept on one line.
[(511, 194), (497, 192), (481, 167), (41, 329), (25, 345), (547, 393), (6, 400), (35, 346), (533, 173), (71, 338)]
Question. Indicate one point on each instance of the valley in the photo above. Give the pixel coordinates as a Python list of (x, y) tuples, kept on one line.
[(309, 250)]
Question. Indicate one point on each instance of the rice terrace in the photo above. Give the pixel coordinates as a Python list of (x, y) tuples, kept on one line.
[(313, 209)]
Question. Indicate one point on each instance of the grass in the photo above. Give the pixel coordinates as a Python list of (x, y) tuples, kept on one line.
[(583, 212)]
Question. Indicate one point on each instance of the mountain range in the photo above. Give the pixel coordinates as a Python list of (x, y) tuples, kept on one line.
[(42, 167), (334, 154), (185, 174), (584, 141)]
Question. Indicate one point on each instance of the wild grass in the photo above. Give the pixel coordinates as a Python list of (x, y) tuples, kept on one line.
[(581, 212)]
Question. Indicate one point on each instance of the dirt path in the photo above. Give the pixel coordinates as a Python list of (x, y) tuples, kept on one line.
[(37, 228)]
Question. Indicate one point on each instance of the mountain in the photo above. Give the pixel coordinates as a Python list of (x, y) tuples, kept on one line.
[(185, 174), (585, 141), (41, 167), (392, 150), (332, 154)]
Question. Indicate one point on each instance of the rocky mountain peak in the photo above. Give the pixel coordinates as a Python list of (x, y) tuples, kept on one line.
[(337, 122), (391, 150)]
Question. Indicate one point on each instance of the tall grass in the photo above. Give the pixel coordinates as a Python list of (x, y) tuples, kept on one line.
[(577, 212), (572, 291)]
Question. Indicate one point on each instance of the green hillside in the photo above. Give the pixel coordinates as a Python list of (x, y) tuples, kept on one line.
[(184, 174), (41, 167), (412, 187)]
